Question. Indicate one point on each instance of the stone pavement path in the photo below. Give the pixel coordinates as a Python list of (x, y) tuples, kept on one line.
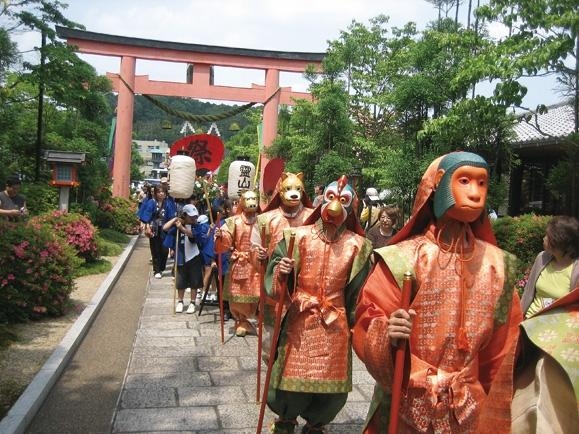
[(181, 378)]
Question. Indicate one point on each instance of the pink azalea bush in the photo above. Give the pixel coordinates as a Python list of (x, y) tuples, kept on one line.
[(36, 271), (76, 229)]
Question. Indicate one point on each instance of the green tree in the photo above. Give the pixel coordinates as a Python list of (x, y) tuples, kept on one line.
[(57, 103)]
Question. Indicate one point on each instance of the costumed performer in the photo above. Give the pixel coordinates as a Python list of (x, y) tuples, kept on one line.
[(243, 281), (312, 374), (464, 312), (288, 208)]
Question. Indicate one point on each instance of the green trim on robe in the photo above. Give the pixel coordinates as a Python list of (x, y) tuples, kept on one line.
[(555, 332)]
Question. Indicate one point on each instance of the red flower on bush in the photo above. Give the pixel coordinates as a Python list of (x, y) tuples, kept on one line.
[(78, 232)]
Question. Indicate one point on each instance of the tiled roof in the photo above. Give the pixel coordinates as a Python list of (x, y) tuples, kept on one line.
[(558, 122)]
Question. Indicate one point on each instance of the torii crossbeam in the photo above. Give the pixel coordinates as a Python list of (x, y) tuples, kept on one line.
[(203, 57)]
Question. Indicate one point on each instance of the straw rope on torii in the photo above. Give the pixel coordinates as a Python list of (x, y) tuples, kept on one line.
[(198, 118)]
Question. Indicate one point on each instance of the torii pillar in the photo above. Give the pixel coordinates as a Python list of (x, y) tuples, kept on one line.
[(124, 129), (203, 57)]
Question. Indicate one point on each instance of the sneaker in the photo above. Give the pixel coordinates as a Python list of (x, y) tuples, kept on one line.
[(187, 289), (191, 308), (179, 308), (158, 275)]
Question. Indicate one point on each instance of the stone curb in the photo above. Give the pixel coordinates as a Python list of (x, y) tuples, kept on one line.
[(25, 408)]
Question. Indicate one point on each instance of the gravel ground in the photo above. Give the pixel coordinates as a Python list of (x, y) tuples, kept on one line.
[(20, 362)]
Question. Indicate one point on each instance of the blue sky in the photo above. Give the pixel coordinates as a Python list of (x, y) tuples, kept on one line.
[(291, 25)]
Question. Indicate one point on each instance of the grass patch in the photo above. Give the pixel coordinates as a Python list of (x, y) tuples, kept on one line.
[(10, 391), (111, 242), (113, 236), (94, 267), (7, 336)]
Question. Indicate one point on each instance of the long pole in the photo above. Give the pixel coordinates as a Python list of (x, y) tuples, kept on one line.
[(175, 262), (220, 284), (274, 339), (260, 314), (399, 359)]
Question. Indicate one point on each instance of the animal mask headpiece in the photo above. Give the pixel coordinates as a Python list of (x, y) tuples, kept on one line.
[(290, 192), (248, 202), (339, 200), (443, 198)]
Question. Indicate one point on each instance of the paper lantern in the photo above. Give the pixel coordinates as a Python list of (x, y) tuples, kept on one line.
[(181, 176), (241, 177)]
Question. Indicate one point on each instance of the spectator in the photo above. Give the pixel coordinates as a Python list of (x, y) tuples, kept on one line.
[(380, 233), (555, 271), (189, 262), (319, 195), (546, 383), (370, 206), (12, 204)]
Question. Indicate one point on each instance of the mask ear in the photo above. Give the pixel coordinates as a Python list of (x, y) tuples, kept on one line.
[(439, 174)]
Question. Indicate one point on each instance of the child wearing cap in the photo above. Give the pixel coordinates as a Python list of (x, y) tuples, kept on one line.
[(189, 273)]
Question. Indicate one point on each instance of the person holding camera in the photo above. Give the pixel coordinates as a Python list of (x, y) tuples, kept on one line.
[(189, 273), (12, 204)]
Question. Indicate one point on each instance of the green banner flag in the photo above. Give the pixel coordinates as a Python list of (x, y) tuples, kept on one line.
[(260, 137)]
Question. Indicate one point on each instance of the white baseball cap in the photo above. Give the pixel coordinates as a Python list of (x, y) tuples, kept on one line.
[(190, 210), (372, 193)]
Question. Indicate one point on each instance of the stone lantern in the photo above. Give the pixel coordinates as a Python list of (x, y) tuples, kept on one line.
[(63, 166)]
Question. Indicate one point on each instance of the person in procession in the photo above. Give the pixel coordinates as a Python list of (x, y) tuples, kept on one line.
[(463, 316), (312, 373), (243, 281), (152, 215), (288, 208), (189, 263)]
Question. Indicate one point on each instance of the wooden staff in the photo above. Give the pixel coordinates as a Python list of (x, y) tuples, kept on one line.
[(399, 358), (260, 313), (175, 269), (219, 283), (274, 337), (208, 203)]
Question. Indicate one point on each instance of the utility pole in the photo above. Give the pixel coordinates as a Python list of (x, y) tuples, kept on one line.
[(40, 108)]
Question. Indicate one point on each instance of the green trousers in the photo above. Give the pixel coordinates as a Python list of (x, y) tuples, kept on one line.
[(315, 408)]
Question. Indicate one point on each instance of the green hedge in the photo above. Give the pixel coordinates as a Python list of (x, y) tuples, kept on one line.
[(522, 236)]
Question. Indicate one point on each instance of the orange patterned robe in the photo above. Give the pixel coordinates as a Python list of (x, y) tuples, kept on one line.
[(275, 222), (243, 279), (448, 377), (314, 351)]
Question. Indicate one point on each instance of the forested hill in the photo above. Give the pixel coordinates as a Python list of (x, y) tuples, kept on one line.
[(152, 123)]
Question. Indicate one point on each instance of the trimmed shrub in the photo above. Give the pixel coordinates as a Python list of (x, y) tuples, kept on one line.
[(36, 271), (76, 229), (522, 236), (115, 213)]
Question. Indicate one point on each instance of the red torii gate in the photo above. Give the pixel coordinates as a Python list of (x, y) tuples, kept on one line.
[(203, 57)]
